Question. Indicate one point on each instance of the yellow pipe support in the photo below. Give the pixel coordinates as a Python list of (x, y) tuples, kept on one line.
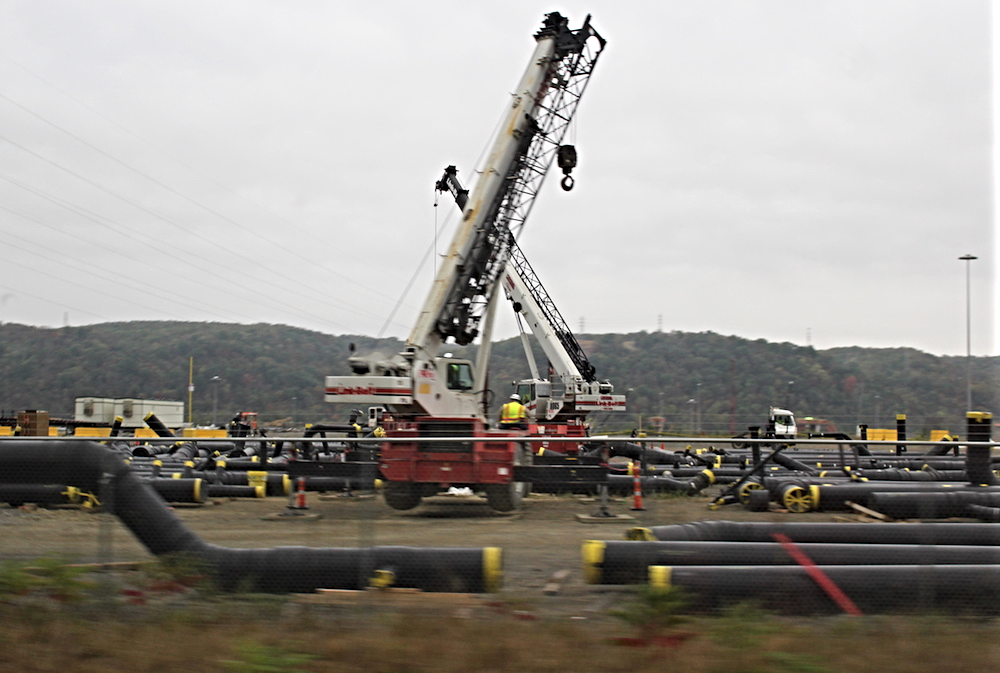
[(260, 490), (797, 499), (197, 491), (592, 553), (492, 569), (382, 579), (710, 475), (814, 492), (640, 534), (659, 576)]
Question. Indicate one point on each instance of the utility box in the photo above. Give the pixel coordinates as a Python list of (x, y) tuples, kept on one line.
[(95, 409), (33, 423), (134, 412)]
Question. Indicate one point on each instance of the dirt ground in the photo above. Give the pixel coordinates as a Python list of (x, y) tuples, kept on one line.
[(539, 540)]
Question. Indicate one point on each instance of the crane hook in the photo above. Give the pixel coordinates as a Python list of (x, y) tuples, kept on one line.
[(566, 157)]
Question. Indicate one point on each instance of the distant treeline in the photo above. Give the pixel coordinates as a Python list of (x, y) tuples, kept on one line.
[(705, 382)]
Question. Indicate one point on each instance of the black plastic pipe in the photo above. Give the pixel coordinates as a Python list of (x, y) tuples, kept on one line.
[(851, 533), (621, 483), (932, 505), (92, 467), (179, 490), (834, 497), (16, 495), (971, 589), (157, 426), (647, 454), (626, 562), (149, 450), (236, 491)]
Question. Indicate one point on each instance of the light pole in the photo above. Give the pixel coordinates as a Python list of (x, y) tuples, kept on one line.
[(878, 411), (691, 404), (968, 329), (215, 397), (697, 405), (788, 395)]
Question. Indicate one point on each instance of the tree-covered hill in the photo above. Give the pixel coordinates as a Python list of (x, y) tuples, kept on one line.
[(702, 382)]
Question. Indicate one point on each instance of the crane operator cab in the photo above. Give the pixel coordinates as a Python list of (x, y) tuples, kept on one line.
[(458, 373), (535, 396)]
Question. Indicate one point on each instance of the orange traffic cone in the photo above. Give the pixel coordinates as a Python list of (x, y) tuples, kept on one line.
[(297, 500), (633, 468)]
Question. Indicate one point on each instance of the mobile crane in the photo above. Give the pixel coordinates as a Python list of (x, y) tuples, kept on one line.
[(571, 389), (426, 394)]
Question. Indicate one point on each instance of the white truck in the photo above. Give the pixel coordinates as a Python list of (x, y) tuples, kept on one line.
[(781, 424)]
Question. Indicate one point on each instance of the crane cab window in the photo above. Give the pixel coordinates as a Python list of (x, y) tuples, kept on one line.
[(526, 391), (459, 376)]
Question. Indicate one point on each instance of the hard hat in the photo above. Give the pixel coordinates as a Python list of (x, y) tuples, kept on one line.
[(515, 397)]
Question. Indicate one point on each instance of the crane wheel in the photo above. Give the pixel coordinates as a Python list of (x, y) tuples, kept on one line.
[(508, 497), (401, 495)]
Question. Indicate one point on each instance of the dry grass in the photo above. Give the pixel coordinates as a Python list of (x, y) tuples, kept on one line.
[(268, 634)]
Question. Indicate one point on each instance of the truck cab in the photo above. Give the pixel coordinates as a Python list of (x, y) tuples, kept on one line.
[(782, 422)]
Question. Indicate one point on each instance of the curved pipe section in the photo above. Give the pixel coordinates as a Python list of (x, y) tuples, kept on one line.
[(92, 467)]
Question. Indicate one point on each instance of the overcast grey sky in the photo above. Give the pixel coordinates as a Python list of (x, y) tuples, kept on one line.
[(794, 171)]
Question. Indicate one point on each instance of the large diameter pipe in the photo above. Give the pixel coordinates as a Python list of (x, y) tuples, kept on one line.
[(16, 495), (852, 533), (872, 589), (157, 426), (789, 463), (932, 505), (802, 496), (641, 452), (977, 458), (92, 467), (179, 490), (622, 483), (626, 562)]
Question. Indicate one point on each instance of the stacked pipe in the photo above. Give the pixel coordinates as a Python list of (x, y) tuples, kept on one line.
[(90, 466), (938, 495), (805, 568)]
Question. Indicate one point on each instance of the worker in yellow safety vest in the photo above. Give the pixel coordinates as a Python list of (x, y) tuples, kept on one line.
[(513, 414)]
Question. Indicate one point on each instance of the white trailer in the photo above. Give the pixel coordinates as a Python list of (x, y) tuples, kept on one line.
[(133, 411)]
